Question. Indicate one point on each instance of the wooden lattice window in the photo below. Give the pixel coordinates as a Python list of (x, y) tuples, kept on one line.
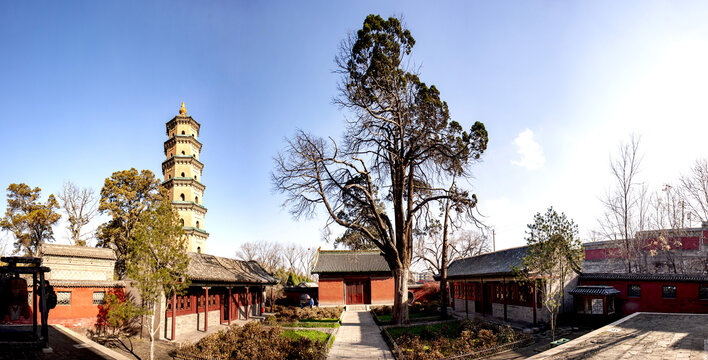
[(634, 290), (668, 292), (703, 293), (598, 306), (99, 298), (64, 298)]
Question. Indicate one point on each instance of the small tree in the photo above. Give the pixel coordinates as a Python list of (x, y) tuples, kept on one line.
[(158, 260), (29, 220), (554, 254), (118, 315)]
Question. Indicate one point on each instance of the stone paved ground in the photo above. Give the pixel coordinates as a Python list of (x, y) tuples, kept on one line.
[(62, 347), (359, 338), (645, 336)]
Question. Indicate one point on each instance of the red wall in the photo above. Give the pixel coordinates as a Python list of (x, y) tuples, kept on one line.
[(651, 300), (382, 290), (594, 254), (81, 312), (331, 291)]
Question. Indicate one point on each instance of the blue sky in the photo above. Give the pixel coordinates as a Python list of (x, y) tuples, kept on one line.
[(88, 86)]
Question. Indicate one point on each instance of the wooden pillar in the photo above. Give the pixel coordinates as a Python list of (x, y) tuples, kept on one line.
[(206, 308), (221, 308), (505, 294), (534, 302), (248, 302), (238, 304), (174, 314), (228, 301)]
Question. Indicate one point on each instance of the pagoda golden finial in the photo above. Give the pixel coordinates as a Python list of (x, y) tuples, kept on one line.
[(183, 110)]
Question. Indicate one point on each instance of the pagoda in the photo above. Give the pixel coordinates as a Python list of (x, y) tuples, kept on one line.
[(182, 172)]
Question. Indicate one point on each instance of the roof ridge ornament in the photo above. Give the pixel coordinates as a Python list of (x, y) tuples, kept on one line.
[(183, 110)]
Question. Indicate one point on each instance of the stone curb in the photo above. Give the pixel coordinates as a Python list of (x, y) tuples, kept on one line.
[(92, 344)]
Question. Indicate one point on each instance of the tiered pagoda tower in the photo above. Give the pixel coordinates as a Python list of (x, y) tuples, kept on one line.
[(182, 172)]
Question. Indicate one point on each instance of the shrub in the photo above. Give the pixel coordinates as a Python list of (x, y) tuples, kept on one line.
[(292, 313), (382, 310), (118, 316), (271, 320), (450, 339), (253, 341)]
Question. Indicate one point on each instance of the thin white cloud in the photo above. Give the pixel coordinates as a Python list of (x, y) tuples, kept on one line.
[(530, 151)]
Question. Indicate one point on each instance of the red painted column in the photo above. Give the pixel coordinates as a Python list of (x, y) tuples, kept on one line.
[(174, 305), (228, 301), (248, 302), (206, 309)]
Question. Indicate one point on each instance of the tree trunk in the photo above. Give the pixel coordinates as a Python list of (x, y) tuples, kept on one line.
[(553, 326), (400, 303), (152, 331), (443, 263), (443, 293)]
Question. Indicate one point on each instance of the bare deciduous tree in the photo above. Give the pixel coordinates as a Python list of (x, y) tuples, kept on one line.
[(620, 219), (268, 254), (694, 189), (462, 244), (438, 247), (80, 205)]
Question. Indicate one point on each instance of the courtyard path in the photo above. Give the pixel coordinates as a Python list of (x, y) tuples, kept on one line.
[(359, 338)]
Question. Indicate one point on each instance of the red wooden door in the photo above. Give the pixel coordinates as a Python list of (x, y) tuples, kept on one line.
[(355, 292)]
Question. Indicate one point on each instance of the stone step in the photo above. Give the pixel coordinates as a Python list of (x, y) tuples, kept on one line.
[(356, 308)]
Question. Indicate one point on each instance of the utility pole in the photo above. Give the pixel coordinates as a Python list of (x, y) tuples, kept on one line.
[(494, 240)]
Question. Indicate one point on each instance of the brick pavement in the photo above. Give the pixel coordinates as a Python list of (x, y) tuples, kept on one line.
[(646, 336), (359, 338), (62, 346)]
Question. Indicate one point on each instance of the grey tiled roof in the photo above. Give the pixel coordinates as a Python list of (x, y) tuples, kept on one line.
[(644, 276), (346, 261), (86, 283), (594, 290), (496, 263), (78, 251), (204, 267)]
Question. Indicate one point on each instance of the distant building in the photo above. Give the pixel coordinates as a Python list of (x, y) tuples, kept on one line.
[(348, 277), (667, 281), (294, 294)]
